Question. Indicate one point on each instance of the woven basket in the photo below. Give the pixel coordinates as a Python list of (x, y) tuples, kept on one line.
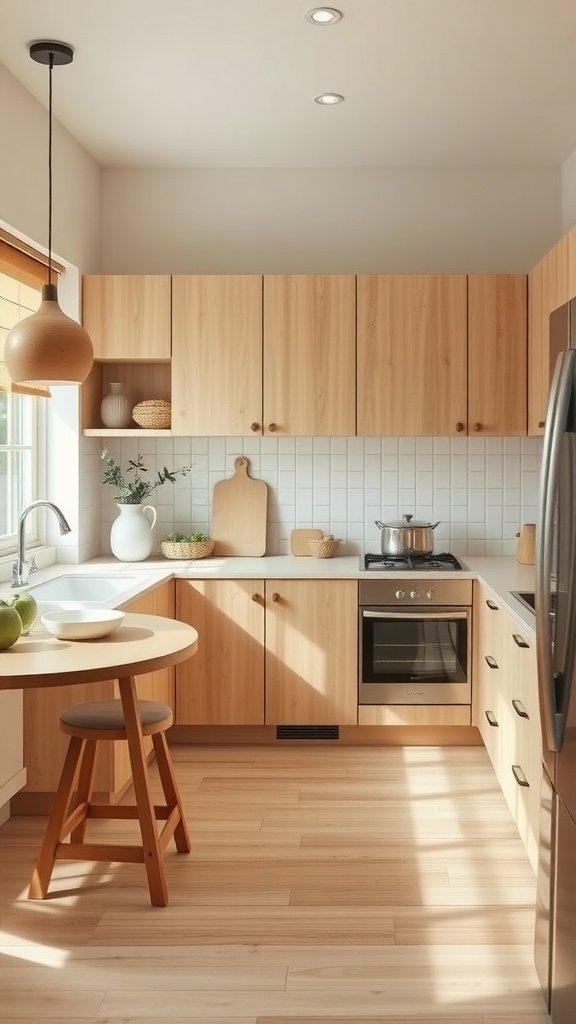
[(154, 414), (324, 548), (187, 548)]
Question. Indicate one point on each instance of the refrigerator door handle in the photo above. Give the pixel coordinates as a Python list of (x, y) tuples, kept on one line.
[(556, 423)]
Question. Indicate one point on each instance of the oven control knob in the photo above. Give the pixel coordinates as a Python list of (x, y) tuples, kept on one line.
[(414, 594), (400, 594), (429, 594)]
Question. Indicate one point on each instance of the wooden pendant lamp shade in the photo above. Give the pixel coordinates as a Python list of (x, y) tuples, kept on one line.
[(49, 347)]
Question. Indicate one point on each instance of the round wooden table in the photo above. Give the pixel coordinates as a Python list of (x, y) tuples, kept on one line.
[(141, 644)]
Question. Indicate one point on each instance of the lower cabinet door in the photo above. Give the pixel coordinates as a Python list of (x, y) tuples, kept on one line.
[(223, 683), (311, 652)]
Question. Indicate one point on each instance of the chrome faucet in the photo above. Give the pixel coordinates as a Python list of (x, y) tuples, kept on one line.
[(21, 567)]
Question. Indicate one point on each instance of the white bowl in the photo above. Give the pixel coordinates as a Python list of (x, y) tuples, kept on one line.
[(82, 624)]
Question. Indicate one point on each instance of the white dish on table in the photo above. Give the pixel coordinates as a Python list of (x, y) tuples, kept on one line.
[(82, 623)]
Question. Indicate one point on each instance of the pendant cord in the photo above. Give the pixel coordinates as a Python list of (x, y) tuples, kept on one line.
[(51, 65)]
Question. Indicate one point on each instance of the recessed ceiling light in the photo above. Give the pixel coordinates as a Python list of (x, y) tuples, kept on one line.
[(323, 16), (328, 99)]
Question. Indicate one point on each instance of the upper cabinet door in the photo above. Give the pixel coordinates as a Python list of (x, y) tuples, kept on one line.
[(217, 355), (128, 316), (549, 284), (497, 353), (309, 355), (412, 355)]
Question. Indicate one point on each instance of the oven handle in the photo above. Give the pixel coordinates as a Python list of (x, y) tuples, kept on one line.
[(425, 614)]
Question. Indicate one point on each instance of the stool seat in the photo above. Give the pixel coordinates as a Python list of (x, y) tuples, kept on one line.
[(108, 714), (87, 725)]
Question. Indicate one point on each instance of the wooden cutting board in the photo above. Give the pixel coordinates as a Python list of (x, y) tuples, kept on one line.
[(299, 541), (239, 509)]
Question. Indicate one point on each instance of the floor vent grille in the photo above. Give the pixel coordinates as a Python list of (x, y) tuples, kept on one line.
[(307, 732)]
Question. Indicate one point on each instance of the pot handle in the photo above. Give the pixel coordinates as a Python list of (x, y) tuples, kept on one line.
[(378, 523), (434, 525)]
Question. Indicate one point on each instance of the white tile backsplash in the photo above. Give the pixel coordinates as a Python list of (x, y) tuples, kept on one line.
[(481, 489)]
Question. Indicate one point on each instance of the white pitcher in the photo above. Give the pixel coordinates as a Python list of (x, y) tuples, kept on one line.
[(131, 536)]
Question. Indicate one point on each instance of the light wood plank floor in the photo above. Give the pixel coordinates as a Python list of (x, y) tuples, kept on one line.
[(327, 885)]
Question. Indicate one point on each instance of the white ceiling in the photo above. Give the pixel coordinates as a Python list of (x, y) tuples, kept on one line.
[(230, 83)]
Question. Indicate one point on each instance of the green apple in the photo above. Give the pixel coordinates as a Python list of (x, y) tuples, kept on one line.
[(26, 607), (10, 626)]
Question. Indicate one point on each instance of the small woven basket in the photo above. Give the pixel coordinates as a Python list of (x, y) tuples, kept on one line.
[(325, 547), (154, 414), (187, 549)]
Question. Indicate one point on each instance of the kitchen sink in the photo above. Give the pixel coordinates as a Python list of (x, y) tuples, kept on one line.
[(85, 590)]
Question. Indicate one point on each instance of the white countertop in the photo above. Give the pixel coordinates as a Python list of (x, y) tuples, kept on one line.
[(503, 574)]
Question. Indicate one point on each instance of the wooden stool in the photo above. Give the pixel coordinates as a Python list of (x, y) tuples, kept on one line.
[(87, 724)]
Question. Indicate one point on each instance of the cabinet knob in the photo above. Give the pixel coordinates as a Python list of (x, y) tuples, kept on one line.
[(519, 640), (541, 423), (520, 709), (254, 427), (275, 596), (459, 427), (477, 427), (255, 597), (272, 428), (519, 776)]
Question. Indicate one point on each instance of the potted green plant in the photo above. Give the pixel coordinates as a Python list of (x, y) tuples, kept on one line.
[(187, 545)]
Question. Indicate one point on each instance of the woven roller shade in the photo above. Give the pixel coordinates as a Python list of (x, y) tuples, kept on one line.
[(22, 274)]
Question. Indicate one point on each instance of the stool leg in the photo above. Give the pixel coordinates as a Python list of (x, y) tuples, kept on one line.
[(45, 865), (141, 781), (84, 792), (168, 780)]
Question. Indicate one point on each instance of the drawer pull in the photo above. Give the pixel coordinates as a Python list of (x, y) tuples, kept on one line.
[(492, 606), (490, 661), (519, 640), (520, 709), (519, 776), (492, 720)]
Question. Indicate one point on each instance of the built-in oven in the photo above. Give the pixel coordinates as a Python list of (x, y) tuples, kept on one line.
[(415, 641)]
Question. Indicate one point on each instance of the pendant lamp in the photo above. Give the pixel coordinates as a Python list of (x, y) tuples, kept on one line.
[(48, 347)]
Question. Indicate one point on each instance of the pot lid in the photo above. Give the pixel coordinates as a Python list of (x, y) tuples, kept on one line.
[(408, 522)]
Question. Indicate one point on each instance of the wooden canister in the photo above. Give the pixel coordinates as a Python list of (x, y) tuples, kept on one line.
[(526, 550)]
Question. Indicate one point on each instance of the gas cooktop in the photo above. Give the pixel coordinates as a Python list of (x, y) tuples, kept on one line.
[(444, 562)]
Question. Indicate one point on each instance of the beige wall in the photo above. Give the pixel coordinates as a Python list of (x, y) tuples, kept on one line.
[(332, 220), (24, 179), (569, 192)]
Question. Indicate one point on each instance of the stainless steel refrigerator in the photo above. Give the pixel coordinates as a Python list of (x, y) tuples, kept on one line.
[(555, 938)]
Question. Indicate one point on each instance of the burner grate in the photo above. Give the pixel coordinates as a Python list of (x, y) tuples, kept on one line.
[(435, 562)]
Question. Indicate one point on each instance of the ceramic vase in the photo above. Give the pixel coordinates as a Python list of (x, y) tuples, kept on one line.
[(115, 407), (131, 536)]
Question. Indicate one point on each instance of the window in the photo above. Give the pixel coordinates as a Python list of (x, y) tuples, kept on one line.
[(21, 413)]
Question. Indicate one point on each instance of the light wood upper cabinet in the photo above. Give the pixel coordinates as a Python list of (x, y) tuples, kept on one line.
[(311, 652), (128, 316), (309, 355), (223, 684), (412, 355), (549, 284), (497, 354), (217, 355)]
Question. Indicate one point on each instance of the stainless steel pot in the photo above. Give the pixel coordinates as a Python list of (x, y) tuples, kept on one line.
[(407, 536)]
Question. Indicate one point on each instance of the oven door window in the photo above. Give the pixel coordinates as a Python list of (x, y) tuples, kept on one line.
[(413, 648)]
